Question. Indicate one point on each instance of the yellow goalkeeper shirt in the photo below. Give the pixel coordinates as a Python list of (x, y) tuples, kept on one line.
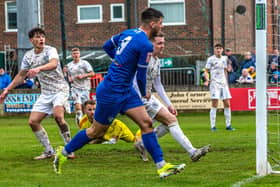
[(116, 130)]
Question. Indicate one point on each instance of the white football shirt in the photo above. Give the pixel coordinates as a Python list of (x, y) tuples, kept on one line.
[(217, 68), (51, 81), (79, 68)]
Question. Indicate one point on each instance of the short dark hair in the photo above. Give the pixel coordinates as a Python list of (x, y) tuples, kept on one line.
[(218, 45), (89, 102), (36, 30), (158, 34), (151, 14)]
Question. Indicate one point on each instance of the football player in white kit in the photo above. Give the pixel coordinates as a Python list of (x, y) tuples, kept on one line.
[(219, 89), (79, 72), (43, 61), (157, 111)]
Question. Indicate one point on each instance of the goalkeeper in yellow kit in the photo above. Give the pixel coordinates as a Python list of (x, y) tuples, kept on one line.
[(117, 130)]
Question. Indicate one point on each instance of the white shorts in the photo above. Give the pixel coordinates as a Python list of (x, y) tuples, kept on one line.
[(79, 95), (46, 103), (153, 105), (219, 92)]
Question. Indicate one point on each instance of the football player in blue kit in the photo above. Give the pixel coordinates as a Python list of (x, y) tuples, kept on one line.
[(130, 51)]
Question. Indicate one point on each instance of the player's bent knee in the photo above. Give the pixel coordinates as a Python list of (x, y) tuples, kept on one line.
[(147, 125), (31, 122), (148, 122)]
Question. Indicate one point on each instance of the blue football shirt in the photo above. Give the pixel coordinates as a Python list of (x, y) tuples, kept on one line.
[(130, 51)]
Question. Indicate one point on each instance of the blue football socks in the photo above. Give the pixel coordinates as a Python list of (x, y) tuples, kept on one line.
[(152, 146), (79, 140)]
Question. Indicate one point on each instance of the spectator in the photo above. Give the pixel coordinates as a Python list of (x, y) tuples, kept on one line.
[(245, 77), (273, 64), (252, 72), (232, 75), (202, 76), (27, 83), (275, 77), (5, 78), (232, 60), (274, 58), (247, 62), (272, 67)]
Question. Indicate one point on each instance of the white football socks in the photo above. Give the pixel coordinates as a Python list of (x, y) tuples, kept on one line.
[(43, 138), (227, 114), (177, 133), (213, 112)]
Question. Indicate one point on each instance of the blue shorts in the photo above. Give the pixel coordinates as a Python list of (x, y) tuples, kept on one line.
[(110, 103)]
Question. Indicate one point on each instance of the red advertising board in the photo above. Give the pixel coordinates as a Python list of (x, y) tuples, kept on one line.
[(245, 98)]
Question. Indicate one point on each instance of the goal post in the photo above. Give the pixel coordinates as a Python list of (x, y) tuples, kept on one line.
[(267, 112), (261, 85)]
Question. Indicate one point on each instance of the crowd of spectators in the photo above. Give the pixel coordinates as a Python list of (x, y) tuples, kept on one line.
[(273, 67), (245, 70), (239, 72)]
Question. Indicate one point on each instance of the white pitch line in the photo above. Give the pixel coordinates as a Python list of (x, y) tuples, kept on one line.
[(246, 181)]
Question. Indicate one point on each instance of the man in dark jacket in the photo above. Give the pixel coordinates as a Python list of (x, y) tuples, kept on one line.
[(232, 59)]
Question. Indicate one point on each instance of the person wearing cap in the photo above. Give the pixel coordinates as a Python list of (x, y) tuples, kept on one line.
[(232, 59), (5, 78)]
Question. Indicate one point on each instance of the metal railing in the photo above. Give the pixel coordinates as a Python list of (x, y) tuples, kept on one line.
[(177, 78)]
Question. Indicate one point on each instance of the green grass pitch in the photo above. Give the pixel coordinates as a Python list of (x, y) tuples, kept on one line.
[(231, 162)]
